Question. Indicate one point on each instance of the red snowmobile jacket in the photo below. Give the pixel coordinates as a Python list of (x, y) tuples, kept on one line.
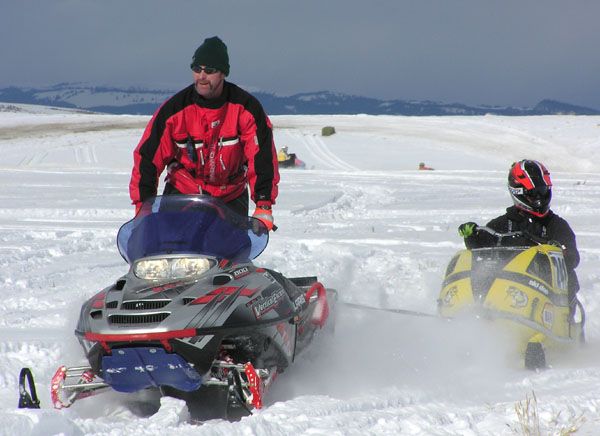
[(213, 146)]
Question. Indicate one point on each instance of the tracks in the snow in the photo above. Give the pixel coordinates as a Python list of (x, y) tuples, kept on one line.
[(321, 154)]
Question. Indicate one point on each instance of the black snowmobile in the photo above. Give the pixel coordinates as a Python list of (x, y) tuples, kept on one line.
[(194, 318)]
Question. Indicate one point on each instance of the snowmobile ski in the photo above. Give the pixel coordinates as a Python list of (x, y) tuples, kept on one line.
[(27, 399)]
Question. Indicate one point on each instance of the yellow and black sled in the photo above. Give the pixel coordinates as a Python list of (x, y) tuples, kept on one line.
[(525, 289)]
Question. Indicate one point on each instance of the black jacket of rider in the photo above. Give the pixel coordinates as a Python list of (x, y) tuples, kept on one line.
[(550, 227)]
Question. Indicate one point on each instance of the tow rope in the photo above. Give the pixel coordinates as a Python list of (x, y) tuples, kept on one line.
[(398, 311)]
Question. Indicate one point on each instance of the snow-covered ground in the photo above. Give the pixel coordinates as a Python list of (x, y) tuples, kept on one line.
[(362, 218)]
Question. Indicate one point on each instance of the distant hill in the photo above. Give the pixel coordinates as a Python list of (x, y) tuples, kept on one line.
[(142, 101)]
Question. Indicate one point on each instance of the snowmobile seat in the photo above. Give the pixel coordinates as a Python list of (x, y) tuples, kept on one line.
[(303, 281)]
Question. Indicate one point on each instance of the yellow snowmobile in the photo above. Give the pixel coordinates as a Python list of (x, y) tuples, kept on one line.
[(525, 289), (289, 160)]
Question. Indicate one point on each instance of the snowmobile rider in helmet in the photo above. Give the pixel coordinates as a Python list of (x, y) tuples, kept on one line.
[(282, 154), (530, 188), (214, 138)]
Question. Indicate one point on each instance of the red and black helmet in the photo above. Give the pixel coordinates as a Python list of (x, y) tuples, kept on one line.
[(530, 187)]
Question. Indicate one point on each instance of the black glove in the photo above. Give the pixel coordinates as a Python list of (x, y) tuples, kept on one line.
[(556, 244)]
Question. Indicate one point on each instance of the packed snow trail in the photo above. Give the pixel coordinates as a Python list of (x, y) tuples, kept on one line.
[(366, 222)]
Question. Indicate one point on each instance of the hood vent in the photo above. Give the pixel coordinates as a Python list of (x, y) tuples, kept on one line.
[(144, 304), (149, 318), (221, 279)]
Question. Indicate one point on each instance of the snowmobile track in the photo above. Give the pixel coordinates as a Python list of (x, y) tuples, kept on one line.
[(321, 153)]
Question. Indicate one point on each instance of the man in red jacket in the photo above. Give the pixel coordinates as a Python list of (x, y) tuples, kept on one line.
[(214, 138)]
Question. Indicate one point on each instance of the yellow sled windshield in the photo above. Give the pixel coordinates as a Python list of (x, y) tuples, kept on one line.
[(526, 285)]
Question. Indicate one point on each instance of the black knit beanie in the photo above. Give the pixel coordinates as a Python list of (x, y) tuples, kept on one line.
[(212, 53)]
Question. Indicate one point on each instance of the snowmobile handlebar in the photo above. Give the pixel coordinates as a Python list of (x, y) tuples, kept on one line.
[(522, 234)]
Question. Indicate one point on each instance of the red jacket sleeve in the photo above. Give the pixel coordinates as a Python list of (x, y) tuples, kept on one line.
[(259, 148), (154, 151)]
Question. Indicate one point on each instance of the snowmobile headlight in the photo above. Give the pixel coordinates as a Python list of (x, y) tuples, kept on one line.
[(188, 266), (152, 269), (171, 268)]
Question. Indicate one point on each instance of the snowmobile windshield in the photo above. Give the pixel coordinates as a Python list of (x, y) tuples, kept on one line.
[(191, 224)]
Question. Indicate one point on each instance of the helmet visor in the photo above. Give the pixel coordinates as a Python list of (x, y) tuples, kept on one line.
[(538, 198), (537, 192)]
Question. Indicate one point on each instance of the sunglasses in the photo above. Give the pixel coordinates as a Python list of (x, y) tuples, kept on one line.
[(208, 70)]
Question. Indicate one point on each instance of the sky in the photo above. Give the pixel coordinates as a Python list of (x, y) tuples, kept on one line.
[(510, 52)]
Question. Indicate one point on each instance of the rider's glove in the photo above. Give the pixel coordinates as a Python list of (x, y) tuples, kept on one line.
[(264, 213), (467, 229), (556, 244)]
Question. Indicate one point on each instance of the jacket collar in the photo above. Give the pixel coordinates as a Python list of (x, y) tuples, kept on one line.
[(515, 214), (213, 103)]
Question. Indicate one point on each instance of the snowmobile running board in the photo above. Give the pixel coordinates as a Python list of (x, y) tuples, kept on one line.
[(399, 311), (71, 384)]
